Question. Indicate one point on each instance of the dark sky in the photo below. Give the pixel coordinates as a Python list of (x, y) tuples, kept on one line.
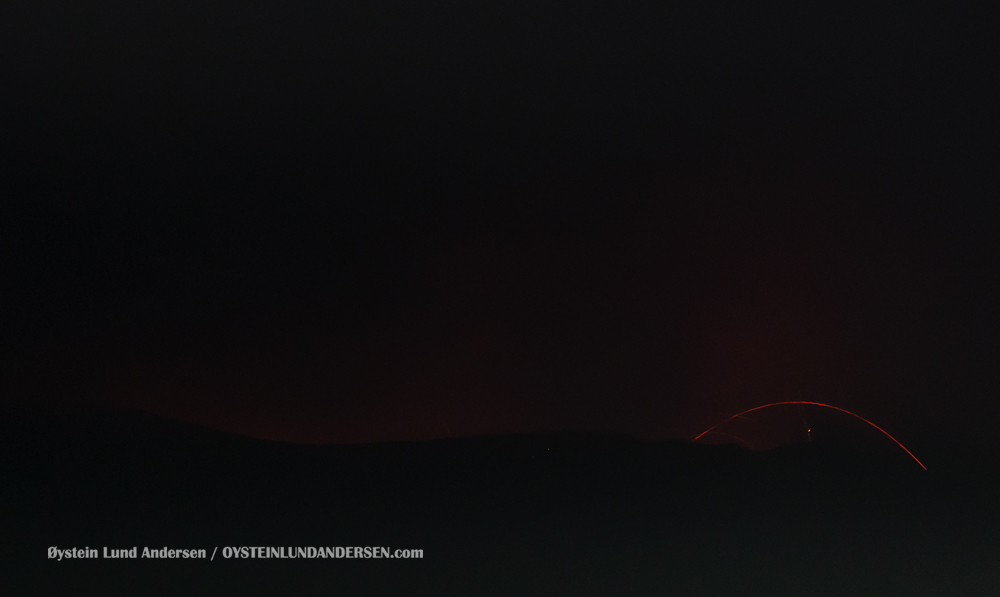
[(355, 221)]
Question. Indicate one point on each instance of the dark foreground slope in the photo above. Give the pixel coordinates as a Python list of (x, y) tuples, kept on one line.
[(563, 514)]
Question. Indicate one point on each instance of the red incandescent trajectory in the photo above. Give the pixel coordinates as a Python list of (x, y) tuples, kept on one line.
[(815, 404)]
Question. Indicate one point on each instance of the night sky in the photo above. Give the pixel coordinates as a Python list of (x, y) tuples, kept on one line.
[(385, 220)]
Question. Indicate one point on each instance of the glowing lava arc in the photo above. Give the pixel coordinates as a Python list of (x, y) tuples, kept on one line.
[(815, 404)]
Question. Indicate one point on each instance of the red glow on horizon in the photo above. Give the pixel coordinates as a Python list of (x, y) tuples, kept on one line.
[(815, 404), (739, 439)]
